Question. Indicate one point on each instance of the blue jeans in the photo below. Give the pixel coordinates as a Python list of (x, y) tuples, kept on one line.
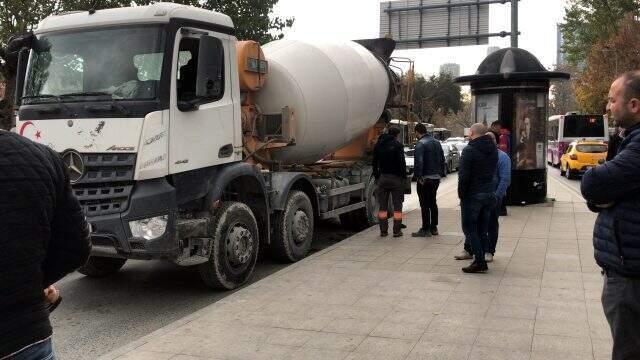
[(39, 351), (494, 227), (476, 212)]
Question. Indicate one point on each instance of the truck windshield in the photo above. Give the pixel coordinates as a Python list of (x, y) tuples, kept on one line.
[(96, 65)]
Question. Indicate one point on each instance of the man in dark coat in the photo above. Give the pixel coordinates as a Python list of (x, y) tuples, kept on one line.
[(390, 171), (476, 191), (613, 190), (43, 237)]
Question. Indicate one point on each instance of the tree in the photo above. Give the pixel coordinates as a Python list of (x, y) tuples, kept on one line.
[(563, 94), (438, 94), (457, 122), (608, 59), (588, 21), (253, 20)]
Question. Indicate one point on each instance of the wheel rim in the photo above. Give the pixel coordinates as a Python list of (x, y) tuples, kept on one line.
[(239, 245), (300, 226)]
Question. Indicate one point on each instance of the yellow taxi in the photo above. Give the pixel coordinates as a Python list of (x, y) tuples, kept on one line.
[(582, 155)]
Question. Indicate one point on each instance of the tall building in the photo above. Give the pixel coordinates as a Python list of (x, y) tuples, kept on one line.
[(560, 42), (453, 69), (492, 49)]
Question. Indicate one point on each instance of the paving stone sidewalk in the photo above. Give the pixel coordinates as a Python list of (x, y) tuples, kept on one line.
[(406, 298)]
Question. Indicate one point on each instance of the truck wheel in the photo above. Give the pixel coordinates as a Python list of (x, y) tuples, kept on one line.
[(293, 229), (363, 218), (234, 249), (101, 266)]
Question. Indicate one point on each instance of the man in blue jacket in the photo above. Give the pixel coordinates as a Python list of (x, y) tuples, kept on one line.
[(428, 169), (613, 191), (476, 192), (501, 181)]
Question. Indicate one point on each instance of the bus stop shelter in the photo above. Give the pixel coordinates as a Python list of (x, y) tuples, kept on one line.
[(512, 87)]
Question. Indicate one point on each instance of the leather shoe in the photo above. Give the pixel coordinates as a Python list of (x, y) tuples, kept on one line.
[(476, 267)]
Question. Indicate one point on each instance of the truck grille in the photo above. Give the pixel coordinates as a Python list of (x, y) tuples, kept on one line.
[(105, 187)]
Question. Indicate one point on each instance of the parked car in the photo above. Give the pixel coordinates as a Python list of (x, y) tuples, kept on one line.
[(582, 155), (455, 158), (459, 142), (451, 157), (408, 158)]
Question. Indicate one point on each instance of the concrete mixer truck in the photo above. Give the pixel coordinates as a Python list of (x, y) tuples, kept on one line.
[(187, 145)]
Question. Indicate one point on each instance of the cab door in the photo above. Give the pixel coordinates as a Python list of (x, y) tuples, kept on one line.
[(202, 127)]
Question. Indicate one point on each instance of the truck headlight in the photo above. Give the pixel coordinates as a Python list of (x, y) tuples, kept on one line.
[(149, 229)]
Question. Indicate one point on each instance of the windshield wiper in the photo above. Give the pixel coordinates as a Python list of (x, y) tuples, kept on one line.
[(47, 109), (87, 93), (42, 96)]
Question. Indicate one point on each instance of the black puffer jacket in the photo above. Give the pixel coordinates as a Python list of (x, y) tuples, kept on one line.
[(616, 184), (388, 157), (43, 237), (477, 167)]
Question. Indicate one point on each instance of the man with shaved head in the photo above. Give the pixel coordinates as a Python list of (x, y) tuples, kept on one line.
[(476, 192), (613, 190)]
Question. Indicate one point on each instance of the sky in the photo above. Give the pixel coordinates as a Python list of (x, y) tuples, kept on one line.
[(358, 19)]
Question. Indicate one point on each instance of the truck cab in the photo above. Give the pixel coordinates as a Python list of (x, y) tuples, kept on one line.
[(134, 100)]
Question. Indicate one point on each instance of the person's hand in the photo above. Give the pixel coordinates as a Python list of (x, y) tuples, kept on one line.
[(421, 180), (51, 294)]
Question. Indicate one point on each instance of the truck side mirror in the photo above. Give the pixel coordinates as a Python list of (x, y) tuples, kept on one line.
[(23, 59), (209, 84)]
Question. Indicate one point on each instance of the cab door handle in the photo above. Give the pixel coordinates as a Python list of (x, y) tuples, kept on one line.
[(225, 151)]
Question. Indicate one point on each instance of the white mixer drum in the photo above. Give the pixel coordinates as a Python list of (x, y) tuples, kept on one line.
[(337, 91)]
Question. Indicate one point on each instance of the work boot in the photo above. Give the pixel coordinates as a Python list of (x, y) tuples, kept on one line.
[(421, 233), (464, 255), (434, 230), (476, 267), (397, 228), (384, 227)]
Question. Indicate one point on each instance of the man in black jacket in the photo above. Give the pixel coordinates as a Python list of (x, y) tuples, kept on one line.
[(390, 171), (43, 237), (613, 190), (428, 169), (476, 192)]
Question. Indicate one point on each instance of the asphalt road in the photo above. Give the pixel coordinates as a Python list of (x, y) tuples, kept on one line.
[(100, 315)]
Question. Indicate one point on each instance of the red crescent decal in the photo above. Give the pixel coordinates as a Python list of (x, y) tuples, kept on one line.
[(24, 126)]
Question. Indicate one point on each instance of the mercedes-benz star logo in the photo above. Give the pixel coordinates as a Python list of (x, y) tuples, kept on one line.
[(75, 164)]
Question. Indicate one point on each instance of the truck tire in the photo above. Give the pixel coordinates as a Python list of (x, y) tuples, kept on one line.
[(101, 266), (234, 249), (293, 229), (366, 217)]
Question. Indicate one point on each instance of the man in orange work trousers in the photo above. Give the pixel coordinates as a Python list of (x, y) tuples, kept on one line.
[(389, 170)]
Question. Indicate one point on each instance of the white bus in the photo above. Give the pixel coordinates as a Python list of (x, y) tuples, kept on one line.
[(563, 129)]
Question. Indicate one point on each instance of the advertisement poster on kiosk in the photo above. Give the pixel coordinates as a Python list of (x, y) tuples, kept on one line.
[(530, 131)]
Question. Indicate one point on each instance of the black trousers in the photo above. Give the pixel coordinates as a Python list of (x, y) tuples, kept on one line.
[(621, 304), (427, 192), (390, 186)]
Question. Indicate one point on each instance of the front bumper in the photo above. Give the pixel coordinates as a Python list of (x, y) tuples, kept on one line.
[(111, 236)]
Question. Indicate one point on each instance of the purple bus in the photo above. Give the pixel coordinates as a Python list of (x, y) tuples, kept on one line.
[(563, 129)]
